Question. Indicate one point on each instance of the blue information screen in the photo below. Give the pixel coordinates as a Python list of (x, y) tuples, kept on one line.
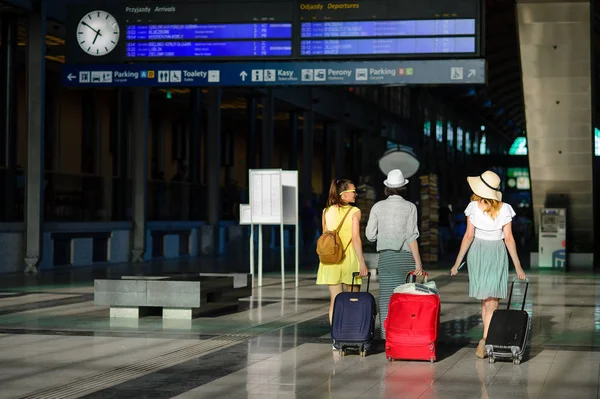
[(435, 45), (440, 27), (227, 30), (188, 49), (210, 31)]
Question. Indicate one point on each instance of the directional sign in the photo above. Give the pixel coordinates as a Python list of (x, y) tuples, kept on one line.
[(257, 74)]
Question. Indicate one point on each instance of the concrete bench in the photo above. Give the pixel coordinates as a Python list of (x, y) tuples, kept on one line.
[(179, 296)]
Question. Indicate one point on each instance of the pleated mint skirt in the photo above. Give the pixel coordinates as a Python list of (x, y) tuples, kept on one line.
[(487, 262)]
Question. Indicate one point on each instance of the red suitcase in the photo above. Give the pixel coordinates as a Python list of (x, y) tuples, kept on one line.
[(412, 326)]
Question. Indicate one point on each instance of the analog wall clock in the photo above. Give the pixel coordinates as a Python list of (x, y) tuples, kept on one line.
[(98, 33)]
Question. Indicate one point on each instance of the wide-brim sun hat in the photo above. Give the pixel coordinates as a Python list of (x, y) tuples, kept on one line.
[(395, 179), (486, 185)]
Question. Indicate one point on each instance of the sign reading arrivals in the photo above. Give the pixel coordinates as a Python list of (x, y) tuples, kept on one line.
[(273, 30), (277, 73)]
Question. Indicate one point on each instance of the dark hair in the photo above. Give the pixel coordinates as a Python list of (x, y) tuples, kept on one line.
[(401, 191), (335, 191)]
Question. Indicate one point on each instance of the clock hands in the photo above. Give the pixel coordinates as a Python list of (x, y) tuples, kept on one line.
[(97, 32), (96, 37)]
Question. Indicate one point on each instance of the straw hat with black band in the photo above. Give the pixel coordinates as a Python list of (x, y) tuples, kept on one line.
[(487, 185)]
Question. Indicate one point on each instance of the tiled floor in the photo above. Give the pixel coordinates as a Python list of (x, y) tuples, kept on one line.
[(54, 343)]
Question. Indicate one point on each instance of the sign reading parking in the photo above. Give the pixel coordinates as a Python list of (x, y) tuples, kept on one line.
[(278, 73)]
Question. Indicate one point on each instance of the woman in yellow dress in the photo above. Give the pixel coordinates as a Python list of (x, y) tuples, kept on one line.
[(342, 193)]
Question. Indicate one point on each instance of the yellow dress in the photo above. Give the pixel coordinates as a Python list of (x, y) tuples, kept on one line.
[(341, 273)]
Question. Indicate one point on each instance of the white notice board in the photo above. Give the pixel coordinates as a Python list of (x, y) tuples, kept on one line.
[(266, 196), (289, 179), (245, 214)]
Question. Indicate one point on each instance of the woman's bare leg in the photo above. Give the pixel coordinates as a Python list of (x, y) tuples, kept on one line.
[(334, 290), (491, 304)]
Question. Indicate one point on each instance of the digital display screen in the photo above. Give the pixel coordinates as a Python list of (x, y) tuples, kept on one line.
[(388, 46), (441, 27), (183, 49), (210, 31), (285, 29)]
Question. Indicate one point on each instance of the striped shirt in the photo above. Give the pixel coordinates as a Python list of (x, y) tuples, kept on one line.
[(393, 224)]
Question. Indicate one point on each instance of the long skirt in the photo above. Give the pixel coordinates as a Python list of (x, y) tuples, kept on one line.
[(488, 269), (393, 267)]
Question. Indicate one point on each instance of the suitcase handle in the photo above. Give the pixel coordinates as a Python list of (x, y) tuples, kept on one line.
[(412, 274), (356, 274), (512, 287)]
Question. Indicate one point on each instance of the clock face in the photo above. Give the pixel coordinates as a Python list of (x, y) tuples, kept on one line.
[(98, 33)]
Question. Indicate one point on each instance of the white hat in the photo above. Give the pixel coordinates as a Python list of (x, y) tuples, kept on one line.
[(486, 186), (395, 179)]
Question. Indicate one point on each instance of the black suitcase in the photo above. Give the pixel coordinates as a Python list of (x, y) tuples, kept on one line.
[(353, 325), (508, 332)]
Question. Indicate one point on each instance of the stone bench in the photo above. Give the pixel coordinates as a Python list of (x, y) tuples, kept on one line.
[(179, 296)]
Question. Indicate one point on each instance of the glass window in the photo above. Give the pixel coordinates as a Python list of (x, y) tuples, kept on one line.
[(519, 147), (459, 139), (439, 131), (427, 129), (597, 142), (476, 143), (483, 145), (468, 143), (427, 123), (450, 135)]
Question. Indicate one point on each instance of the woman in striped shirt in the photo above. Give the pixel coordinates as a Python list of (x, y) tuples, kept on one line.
[(393, 224)]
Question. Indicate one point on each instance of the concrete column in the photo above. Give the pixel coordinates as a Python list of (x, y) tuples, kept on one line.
[(356, 157), (365, 154), (293, 159), (252, 133), (120, 150), (339, 150), (308, 153), (36, 82), (210, 243), (267, 141), (196, 137), (327, 160), (139, 132), (8, 114)]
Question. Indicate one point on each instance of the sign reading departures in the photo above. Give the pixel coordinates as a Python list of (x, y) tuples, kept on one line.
[(274, 30)]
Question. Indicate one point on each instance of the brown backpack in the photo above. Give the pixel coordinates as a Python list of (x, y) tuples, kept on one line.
[(329, 246)]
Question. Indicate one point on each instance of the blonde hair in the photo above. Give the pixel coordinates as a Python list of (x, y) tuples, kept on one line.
[(492, 207)]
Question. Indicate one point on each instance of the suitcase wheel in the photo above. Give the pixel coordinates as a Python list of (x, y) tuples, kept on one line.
[(517, 360), (389, 359), (491, 359), (432, 359)]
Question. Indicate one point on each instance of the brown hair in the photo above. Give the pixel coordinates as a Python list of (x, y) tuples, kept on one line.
[(401, 191), (492, 206), (335, 192)]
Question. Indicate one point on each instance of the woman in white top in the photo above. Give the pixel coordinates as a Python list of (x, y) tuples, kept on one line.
[(488, 236)]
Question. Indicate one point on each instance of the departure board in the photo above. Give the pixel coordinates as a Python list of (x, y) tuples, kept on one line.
[(185, 49), (279, 30), (440, 27), (388, 46), (209, 31)]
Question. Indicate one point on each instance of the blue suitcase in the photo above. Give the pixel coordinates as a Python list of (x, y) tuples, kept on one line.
[(353, 325)]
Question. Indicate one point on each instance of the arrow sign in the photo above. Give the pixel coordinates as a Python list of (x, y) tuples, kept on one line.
[(71, 77), (243, 75), (472, 72)]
